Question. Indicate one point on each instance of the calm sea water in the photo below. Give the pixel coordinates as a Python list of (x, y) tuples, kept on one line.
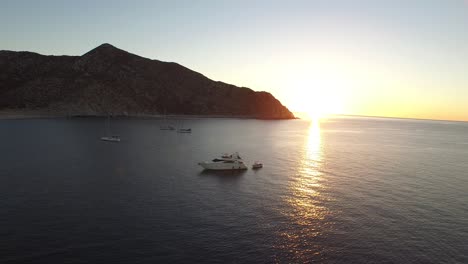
[(340, 191)]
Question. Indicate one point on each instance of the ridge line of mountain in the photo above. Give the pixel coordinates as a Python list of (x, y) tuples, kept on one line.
[(110, 81)]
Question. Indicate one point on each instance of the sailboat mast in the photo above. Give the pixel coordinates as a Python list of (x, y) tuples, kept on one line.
[(108, 125)]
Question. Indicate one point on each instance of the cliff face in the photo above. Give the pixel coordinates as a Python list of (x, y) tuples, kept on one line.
[(107, 80)]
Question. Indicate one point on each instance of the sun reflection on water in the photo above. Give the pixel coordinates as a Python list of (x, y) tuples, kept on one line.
[(314, 147), (306, 212)]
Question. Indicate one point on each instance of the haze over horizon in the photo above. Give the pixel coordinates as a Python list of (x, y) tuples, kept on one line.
[(394, 59)]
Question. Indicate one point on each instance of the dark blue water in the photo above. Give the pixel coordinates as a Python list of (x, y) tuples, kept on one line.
[(340, 191)]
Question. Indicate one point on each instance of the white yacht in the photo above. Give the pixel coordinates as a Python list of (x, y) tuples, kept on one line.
[(226, 162)]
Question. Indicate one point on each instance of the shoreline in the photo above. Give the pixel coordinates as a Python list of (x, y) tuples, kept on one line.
[(13, 115), (31, 114)]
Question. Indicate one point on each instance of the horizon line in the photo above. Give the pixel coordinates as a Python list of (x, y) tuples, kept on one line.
[(389, 117)]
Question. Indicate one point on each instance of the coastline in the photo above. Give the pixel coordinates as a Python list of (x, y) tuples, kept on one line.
[(26, 114), (19, 114), (41, 114)]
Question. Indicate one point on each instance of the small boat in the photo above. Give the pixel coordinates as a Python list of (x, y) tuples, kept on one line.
[(166, 125), (111, 138), (182, 129), (185, 130), (231, 162), (167, 128), (257, 165)]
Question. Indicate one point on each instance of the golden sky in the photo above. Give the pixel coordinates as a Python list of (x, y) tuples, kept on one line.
[(379, 58)]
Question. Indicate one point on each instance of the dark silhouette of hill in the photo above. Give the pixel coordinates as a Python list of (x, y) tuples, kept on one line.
[(107, 80)]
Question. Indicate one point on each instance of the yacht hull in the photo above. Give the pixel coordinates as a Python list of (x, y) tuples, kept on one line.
[(222, 166)]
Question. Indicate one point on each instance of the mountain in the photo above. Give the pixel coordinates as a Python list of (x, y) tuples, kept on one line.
[(107, 80)]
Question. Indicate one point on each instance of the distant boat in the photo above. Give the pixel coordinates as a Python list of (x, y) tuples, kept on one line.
[(109, 137), (257, 165), (185, 130), (166, 126), (231, 162)]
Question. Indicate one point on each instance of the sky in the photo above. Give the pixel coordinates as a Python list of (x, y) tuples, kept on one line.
[(377, 58)]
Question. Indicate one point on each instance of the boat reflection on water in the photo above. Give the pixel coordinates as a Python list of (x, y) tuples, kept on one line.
[(305, 208), (224, 174)]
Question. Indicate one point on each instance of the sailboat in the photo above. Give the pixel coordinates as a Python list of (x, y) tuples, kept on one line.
[(184, 130), (165, 126), (109, 137)]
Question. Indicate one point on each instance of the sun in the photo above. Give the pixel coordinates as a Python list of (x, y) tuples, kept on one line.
[(315, 91), (317, 99)]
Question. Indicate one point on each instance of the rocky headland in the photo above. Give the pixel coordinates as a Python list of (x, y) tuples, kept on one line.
[(111, 81)]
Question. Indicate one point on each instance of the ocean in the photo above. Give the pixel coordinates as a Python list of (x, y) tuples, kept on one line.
[(339, 190)]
